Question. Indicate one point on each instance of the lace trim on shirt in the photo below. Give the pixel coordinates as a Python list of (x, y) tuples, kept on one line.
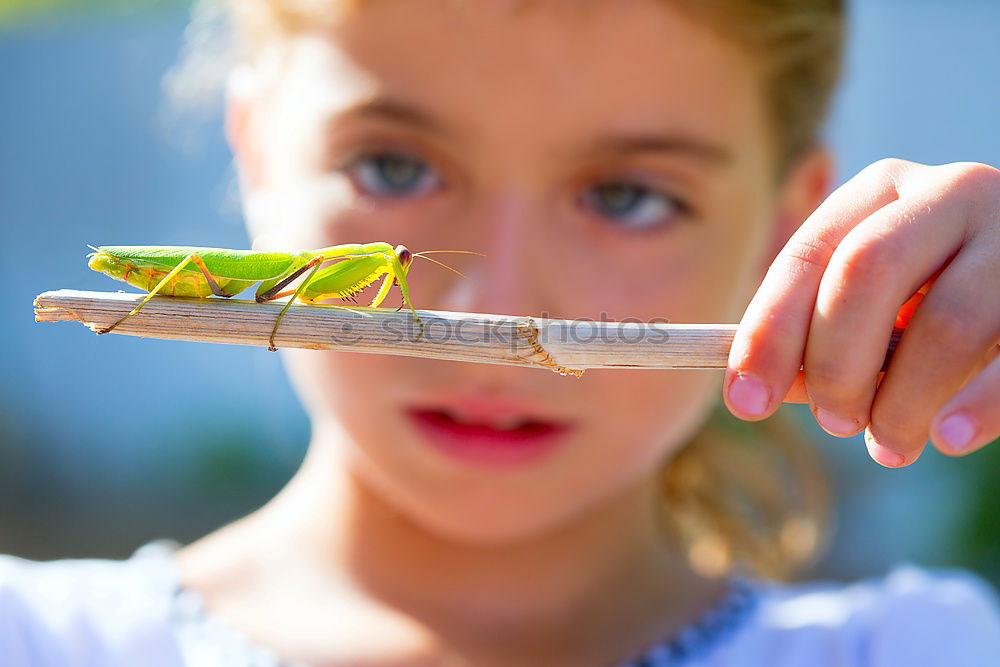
[(701, 637)]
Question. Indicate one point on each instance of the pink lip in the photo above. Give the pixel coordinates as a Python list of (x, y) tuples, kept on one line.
[(474, 439)]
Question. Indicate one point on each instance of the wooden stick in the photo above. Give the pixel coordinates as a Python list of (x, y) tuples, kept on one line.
[(565, 346)]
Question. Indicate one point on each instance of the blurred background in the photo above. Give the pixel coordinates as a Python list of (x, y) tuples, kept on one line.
[(106, 443)]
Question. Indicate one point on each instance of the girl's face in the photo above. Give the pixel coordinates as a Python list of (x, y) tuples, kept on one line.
[(611, 159)]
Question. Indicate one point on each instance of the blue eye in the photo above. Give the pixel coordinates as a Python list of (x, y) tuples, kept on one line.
[(393, 175), (631, 205)]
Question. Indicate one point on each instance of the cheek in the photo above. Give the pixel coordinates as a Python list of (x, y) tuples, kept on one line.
[(645, 416), (352, 389), (693, 289), (629, 424), (688, 275)]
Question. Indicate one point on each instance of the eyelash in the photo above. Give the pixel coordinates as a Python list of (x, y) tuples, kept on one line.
[(669, 208), (368, 173)]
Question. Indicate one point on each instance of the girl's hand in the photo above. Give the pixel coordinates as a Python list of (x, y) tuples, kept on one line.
[(897, 233)]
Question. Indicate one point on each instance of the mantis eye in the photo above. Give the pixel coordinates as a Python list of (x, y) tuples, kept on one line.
[(403, 255)]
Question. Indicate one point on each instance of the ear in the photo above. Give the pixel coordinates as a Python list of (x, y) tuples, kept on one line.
[(806, 186)]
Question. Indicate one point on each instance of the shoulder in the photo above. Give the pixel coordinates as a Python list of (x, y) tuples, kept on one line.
[(945, 617), (93, 612), (911, 617)]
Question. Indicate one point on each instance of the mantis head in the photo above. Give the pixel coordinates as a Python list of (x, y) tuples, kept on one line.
[(404, 256)]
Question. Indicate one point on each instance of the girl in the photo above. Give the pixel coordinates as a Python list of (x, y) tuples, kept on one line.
[(639, 158)]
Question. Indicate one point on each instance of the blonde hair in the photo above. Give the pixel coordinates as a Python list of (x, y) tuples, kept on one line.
[(740, 494), (796, 42), (747, 496), (754, 494)]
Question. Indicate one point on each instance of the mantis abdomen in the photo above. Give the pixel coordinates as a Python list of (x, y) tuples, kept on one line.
[(147, 276)]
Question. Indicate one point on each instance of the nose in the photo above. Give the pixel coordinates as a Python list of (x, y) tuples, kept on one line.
[(507, 280)]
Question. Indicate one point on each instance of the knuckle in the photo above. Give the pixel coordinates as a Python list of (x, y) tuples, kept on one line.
[(892, 424), (885, 169), (827, 383), (867, 261), (949, 326), (809, 251), (752, 346), (972, 176)]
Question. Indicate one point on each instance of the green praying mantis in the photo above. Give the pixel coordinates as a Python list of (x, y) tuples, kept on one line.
[(202, 272)]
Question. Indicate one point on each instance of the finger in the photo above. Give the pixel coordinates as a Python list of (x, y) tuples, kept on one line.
[(970, 419), (797, 393), (769, 344), (877, 267), (956, 324)]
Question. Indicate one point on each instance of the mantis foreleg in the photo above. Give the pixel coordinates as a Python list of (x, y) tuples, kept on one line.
[(399, 274)]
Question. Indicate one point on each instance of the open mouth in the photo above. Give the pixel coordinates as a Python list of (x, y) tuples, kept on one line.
[(506, 438)]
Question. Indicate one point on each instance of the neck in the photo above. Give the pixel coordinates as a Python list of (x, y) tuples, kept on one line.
[(617, 553), (611, 577)]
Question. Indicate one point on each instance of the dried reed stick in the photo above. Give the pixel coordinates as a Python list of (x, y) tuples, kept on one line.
[(565, 346)]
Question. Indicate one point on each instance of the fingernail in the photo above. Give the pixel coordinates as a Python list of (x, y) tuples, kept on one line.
[(835, 425), (748, 394), (957, 430), (883, 455)]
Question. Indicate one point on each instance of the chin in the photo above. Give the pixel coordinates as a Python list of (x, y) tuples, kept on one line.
[(482, 512), (487, 528)]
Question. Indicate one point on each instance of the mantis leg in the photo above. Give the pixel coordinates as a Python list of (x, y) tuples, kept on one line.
[(316, 264), (325, 255), (398, 273), (383, 291), (275, 291), (166, 280), (213, 285)]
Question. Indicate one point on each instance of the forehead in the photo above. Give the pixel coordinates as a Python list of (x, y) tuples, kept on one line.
[(567, 65)]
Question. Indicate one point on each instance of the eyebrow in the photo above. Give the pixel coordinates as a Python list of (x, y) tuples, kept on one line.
[(672, 145), (393, 110), (384, 108)]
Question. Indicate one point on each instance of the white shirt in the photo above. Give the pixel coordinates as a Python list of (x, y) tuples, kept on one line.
[(104, 613)]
